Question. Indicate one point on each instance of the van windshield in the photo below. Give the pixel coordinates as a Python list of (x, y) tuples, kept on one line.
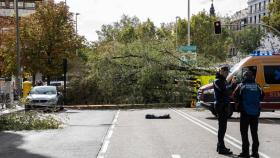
[(237, 66)]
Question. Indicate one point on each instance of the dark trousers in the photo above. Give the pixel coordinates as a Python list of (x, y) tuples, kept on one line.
[(222, 121), (222, 118), (245, 122)]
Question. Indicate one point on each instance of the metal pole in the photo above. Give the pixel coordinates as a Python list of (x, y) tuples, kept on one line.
[(177, 31), (77, 22), (18, 82), (77, 29), (189, 24)]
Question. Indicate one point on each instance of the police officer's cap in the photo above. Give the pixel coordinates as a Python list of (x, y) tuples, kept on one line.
[(224, 68)]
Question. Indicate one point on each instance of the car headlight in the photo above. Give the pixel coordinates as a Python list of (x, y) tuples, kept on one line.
[(52, 101)]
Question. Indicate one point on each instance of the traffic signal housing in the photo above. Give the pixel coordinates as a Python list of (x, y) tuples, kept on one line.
[(218, 27)]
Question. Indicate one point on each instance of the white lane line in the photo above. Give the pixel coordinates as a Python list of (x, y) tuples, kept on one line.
[(206, 128), (211, 127), (105, 146), (110, 134), (176, 156), (213, 130), (106, 140)]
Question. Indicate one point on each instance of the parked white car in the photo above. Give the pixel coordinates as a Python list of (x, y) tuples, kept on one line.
[(45, 98)]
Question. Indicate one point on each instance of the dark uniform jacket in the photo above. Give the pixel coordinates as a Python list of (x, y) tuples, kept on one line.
[(248, 95), (222, 91)]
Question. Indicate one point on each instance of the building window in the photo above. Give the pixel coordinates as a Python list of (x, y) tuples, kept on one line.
[(251, 20), (20, 4), (251, 9), (256, 7), (264, 5), (260, 18), (29, 5), (11, 5), (260, 6), (2, 5)]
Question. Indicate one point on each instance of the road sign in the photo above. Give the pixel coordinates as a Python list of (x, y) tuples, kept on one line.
[(186, 49)]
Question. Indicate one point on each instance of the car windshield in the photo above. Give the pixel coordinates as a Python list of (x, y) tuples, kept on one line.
[(43, 90)]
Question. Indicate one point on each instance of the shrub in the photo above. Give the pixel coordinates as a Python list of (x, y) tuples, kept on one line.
[(31, 120)]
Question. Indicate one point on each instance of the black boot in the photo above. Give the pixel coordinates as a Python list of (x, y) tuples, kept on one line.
[(256, 155), (224, 151), (244, 155)]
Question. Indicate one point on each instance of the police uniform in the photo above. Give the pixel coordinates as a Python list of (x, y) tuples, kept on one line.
[(222, 100), (249, 95)]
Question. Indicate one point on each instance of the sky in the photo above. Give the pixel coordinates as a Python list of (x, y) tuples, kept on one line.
[(95, 13)]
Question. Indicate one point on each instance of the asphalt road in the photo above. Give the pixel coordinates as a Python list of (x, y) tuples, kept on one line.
[(127, 134), (189, 133)]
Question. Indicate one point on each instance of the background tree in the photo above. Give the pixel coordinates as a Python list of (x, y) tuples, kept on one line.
[(46, 38), (273, 18), (248, 39), (209, 45)]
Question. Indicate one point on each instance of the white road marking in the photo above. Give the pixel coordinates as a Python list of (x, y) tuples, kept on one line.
[(105, 146), (213, 130), (110, 134), (106, 141), (176, 156)]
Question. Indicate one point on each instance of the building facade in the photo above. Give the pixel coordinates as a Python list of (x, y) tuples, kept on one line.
[(239, 19), (257, 9), (26, 7)]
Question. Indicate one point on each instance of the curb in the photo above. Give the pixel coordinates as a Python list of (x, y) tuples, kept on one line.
[(126, 106)]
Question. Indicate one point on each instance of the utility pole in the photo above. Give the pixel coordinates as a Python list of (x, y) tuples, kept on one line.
[(189, 24), (18, 77), (77, 22), (177, 17), (77, 29)]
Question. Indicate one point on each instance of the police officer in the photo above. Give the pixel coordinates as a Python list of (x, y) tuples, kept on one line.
[(221, 93), (249, 95)]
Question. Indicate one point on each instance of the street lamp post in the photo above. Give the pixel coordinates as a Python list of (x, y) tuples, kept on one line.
[(77, 29), (189, 24), (77, 22), (177, 17), (18, 82)]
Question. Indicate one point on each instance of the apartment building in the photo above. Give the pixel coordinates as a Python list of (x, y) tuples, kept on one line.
[(257, 9), (239, 19)]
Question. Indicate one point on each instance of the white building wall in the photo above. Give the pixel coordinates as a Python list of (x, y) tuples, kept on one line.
[(257, 9)]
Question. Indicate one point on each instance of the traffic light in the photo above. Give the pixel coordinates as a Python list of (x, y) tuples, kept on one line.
[(218, 27)]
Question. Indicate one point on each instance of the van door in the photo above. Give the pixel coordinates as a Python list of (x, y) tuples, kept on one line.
[(271, 86)]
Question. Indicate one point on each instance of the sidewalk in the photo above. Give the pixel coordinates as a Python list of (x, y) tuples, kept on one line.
[(11, 110)]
